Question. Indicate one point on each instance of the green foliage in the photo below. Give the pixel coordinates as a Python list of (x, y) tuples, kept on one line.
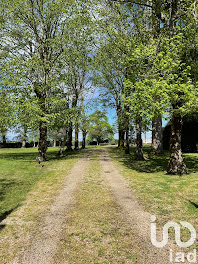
[(99, 128)]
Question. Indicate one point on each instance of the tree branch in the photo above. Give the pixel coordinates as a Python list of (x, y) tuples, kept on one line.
[(133, 2)]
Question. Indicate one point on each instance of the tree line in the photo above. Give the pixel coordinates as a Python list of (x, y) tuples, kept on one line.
[(140, 55)]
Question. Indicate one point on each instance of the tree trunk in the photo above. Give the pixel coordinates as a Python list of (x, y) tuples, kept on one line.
[(76, 137), (157, 135), (127, 122), (176, 164), (42, 144), (4, 140), (84, 140), (127, 150), (121, 131), (69, 139), (42, 148), (121, 139), (139, 149), (23, 143), (24, 137), (3, 135), (54, 145)]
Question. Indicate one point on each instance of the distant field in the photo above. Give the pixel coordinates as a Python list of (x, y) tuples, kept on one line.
[(168, 197), (19, 174)]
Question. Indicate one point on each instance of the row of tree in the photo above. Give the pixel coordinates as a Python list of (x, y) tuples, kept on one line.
[(140, 54), (45, 48), (148, 64)]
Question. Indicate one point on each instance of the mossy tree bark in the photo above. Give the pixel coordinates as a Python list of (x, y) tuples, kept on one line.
[(69, 139), (121, 138), (24, 139), (84, 140), (42, 148), (157, 136), (41, 94), (76, 137), (139, 145), (127, 150), (176, 164)]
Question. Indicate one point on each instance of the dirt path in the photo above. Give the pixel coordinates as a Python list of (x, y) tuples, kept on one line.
[(44, 243), (106, 222), (137, 217), (96, 230)]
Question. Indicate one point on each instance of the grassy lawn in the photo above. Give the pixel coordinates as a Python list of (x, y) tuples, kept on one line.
[(29, 189), (168, 197), (20, 174), (96, 231)]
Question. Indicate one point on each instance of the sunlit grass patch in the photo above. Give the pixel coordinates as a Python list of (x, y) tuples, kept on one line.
[(168, 197), (19, 173), (32, 190)]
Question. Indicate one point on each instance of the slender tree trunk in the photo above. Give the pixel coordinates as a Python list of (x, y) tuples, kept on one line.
[(54, 145), (176, 164), (3, 135), (121, 131), (139, 145), (127, 122), (157, 133), (70, 131), (84, 140), (24, 140), (42, 145), (23, 143), (42, 148), (4, 140), (76, 137), (69, 139), (127, 150), (121, 139), (157, 136)]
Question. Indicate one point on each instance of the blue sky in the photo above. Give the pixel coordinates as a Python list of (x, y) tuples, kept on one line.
[(111, 114)]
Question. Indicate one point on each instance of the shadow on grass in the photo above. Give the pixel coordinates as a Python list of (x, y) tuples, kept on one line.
[(2, 227), (4, 215), (5, 185), (153, 163), (14, 189), (194, 204), (32, 156)]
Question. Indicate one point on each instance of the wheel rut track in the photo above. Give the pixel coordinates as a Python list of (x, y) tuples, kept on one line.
[(45, 243)]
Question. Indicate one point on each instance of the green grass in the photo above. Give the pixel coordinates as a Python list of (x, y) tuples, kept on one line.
[(96, 231), (26, 191), (168, 197), (20, 174)]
